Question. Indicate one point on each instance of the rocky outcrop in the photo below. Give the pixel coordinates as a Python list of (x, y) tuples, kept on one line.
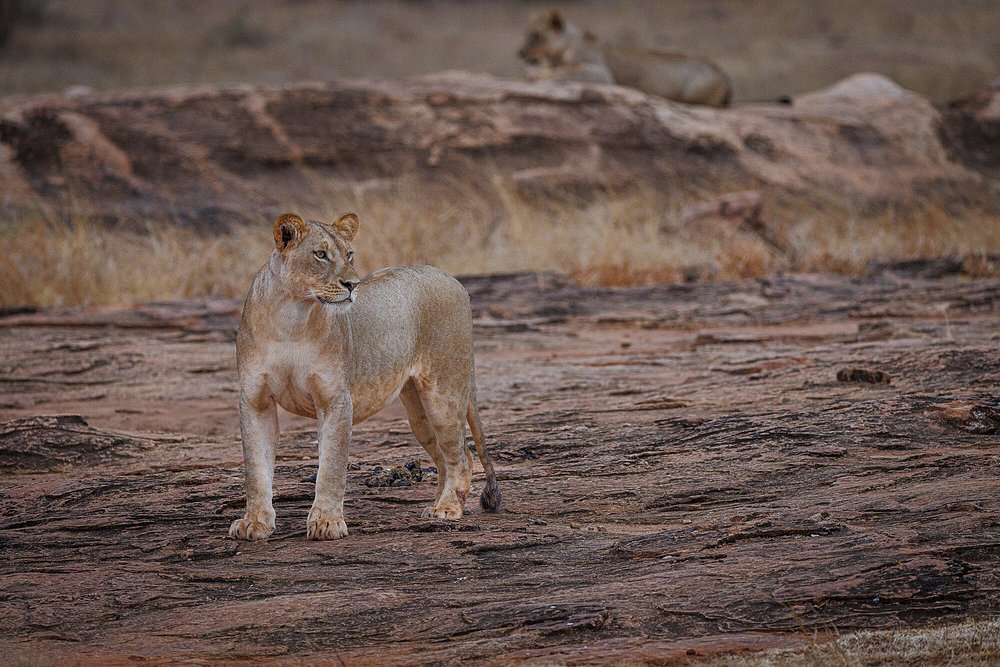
[(210, 155), (971, 130)]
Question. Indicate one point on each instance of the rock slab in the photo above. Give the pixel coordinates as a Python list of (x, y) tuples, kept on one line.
[(221, 155), (683, 474)]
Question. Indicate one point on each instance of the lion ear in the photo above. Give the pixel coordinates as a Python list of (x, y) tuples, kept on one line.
[(556, 21), (348, 225), (288, 231)]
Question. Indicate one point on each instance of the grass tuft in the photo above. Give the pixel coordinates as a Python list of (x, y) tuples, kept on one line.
[(968, 643), (611, 240)]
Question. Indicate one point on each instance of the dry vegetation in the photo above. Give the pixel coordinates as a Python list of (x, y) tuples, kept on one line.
[(770, 49), (972, 643), (613, 240)]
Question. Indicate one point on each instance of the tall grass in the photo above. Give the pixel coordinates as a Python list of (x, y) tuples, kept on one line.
[(848, 242), (612, 240), (82, 262)]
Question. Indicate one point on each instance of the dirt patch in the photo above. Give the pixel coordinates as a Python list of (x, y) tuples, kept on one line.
[(405, 475), (867, 375), (708, 487)]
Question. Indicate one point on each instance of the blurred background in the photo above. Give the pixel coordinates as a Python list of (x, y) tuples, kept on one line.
[(769, 48), (473, 174)]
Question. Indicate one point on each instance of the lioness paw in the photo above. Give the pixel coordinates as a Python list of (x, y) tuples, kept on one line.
[(250, 529), (325, 526), (451, 511)]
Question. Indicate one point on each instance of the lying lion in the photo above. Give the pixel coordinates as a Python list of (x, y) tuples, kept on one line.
[(321, 343), (556, 50)]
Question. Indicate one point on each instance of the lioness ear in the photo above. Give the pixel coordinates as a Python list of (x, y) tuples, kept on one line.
[(556, 21), (288, 231), (348, 225)]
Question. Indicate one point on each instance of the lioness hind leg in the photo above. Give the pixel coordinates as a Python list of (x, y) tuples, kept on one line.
[(422, 431), (447, 417)]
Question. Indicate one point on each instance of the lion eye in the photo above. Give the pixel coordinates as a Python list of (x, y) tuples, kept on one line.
[(320, 254), (350, 255)]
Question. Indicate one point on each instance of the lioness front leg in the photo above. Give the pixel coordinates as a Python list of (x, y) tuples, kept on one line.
[(259, 428), (326, 517)]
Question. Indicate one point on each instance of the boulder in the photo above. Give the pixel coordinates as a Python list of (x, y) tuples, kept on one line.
[(209, 155), (971, 130)]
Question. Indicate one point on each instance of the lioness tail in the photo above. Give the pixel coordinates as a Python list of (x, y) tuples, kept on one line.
[(490, 498)]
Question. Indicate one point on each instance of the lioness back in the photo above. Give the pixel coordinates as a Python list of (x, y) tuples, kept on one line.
[(674, 76), (410, 288)]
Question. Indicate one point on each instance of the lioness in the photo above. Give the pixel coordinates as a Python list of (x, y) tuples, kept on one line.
[(556, 50), (321, 343)]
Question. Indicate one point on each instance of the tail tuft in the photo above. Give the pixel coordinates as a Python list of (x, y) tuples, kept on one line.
[(490, 498)]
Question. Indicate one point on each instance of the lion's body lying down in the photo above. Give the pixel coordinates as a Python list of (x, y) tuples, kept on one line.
[(556, 50)]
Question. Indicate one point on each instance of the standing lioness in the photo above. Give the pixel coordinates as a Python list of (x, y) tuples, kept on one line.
[(322, 344), (556, 50)]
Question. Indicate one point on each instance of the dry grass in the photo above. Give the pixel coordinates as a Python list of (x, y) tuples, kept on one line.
[(786, 46), (971, 643), (614, 240), (847, 242), (82, 262), (770, 49)]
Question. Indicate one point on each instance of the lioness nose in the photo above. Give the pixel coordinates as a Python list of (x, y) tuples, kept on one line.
[(349, 284)]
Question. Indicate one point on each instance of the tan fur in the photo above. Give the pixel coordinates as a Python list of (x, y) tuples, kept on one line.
[(322, 344), (556, 50)]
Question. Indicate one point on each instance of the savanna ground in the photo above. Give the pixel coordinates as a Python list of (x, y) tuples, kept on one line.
[(684, 474)]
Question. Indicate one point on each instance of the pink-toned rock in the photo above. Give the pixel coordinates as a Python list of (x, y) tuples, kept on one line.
[(709, 488), (214, 155)]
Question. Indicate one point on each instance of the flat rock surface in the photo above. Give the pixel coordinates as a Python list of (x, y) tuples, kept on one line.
[(682, 474)]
